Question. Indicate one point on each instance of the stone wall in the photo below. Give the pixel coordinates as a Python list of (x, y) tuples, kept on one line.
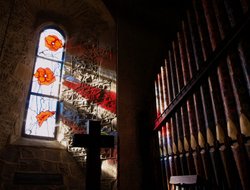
[(20, 22), (88, 37), (4, 15), (39, 160), (16, 37)]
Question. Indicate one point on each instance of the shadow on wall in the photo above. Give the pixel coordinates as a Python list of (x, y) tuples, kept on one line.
[(27, 160), (51, 168)]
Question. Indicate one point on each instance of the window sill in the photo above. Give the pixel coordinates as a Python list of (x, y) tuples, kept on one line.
[(22, 141)]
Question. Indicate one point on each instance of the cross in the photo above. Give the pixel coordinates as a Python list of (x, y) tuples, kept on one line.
[(93, 141)]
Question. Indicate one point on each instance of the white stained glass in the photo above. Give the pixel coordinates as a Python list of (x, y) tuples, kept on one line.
[(37, 105), (53, 50), (50, 69)]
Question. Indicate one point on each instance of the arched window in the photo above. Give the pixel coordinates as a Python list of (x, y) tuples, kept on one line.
[(42, 101)]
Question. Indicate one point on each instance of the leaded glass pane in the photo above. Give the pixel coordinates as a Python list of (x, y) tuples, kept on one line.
[(46, 77), (40, 120), (41, 117), (51, 45)]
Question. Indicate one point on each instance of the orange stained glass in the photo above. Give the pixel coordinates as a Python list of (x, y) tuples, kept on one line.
[(45, 76), (53, 42), (43, 116)]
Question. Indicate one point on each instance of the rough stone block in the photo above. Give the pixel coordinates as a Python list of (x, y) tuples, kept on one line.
[(11, 155), (52, 155), (29, 165), (27, 153), (63, 168), (47, 166), (66, 157), (8, 170)]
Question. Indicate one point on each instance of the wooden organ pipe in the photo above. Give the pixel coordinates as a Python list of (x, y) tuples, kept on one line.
[(220, 12), (188, 74), (186, 143), (169, 124), (184, 112), (177, 115), (160, 143), (214, 87), (171, 94), (168, 81), (207, 98), (170, 161), (167, 157), (169, 148), (180, 148), (239, 84), (218, 109), (173, 118), (167, 143), (163, 171), (160, 90), (172, 134), (219, 32), (213, 123), (230, 109), (179, 112), (161, 137), (164, 88), (240, 93), (190, 104), (199, 115), (177, 65), (173, 74), (237, 73), (200, 59), (228, 84), (157, 99), (165, 154)]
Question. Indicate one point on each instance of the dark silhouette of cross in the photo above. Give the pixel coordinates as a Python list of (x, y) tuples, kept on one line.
[(93, 141)]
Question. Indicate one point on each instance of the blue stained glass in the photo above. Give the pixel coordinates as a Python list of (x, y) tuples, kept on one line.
[(39, 105)]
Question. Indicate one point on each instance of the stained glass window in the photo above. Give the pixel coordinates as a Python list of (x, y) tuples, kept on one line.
[(45, 85)]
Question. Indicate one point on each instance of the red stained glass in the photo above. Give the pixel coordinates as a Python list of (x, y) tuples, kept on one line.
[(53, 42), (43, 116), (45, 76)]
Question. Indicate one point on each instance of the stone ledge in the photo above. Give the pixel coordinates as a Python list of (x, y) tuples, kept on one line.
[(38, 143)]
